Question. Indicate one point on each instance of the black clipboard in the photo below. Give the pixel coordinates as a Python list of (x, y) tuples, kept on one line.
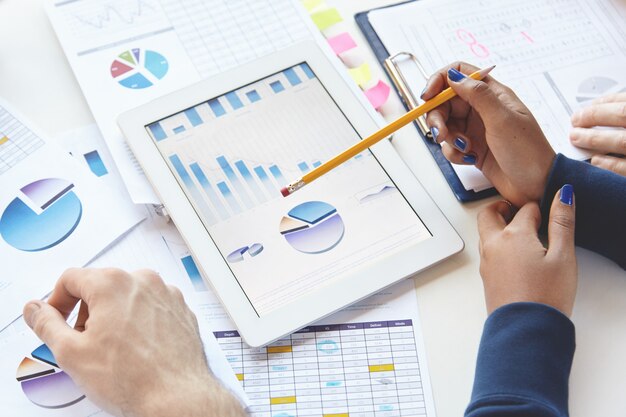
[(398, 81)]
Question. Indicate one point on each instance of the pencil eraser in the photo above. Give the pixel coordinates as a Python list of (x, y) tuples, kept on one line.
[(284, 191)]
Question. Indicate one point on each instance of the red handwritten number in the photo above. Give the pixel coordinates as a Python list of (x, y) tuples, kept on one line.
[(468, 38)]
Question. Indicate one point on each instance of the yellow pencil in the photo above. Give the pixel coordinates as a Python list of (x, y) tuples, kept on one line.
[(386, 131)]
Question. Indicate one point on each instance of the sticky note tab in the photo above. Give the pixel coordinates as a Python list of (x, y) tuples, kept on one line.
[(326, 18), (361, 75), (378, 94), (341, 43), (309, 5)]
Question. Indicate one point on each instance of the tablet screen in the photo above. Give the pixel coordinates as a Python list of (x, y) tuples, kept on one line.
[(233, 153)]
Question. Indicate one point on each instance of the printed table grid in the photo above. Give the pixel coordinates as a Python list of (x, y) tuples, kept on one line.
[(341, 370), (16, 141)]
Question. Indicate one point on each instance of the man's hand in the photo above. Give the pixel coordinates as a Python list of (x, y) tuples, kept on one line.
[(609, 111), (514, 264), (488, 126), (135, 349)]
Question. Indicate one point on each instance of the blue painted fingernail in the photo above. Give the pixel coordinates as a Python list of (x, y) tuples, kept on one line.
[(455, 75), (567, 194), (460, 144), (435, 132), (469, 159)]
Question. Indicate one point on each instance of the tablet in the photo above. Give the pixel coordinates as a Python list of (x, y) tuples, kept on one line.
[(217, 153)]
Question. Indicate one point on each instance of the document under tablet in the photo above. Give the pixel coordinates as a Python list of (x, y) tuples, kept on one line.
[(233, 153)]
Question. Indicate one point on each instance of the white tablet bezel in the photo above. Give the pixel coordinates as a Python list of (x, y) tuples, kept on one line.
[(354, 286)]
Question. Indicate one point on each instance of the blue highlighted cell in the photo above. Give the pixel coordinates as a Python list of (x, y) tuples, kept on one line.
[(277, 86), (277, 174), (230, 199), (247, 177), (193, 117), (217, 108), (194, 274), (333, 384), (304, 167), (327, 346), (385, 407), (157, 131), (316, 164), (179, 129), (292, 76), (232, 177), (307, 70), (253, 96), (234, 100), (265, 180), (96, 165), (191, 187), (208, 189)]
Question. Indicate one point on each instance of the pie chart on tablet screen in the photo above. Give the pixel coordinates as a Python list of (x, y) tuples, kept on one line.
[(44, 384), (139, 68), (41, 216), (313, 227)]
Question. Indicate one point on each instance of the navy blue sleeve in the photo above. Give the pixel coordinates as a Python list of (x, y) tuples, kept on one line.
[(524, 363), (600, 197)]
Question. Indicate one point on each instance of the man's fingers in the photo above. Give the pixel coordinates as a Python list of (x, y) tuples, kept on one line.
[(611, 163), (528, 218), (69, 289), (611, 98), (605, 141), (603, 114), (493, 219), (48, 324), (562, 224)]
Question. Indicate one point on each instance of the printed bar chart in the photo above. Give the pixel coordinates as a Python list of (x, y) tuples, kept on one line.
[(194, 274), (96, 165)]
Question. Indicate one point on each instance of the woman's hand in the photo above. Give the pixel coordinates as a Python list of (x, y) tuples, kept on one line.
[(488, 126), (135, 348), (514, 264), (609, 111)]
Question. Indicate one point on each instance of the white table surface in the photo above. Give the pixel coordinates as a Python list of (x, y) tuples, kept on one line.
[(36, 78)]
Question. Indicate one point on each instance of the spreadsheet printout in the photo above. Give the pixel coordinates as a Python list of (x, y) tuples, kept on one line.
[(125, 53), (556, 55)]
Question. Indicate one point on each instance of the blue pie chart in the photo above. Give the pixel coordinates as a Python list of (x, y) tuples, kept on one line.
[(44, 214), (313, 227)]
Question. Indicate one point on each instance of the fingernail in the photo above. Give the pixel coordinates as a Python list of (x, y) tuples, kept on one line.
[(423, 91), (567, 194), (575, 116), (435, 132), (455, 75), (29, 310), (469, 159), (460, 144)]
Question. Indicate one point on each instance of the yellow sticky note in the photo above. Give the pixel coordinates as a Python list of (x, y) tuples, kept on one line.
[(309, 5), (361, 74), (326, 18)]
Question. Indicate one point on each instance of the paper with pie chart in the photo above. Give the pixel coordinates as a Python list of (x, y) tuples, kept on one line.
[(139, 68), (233, 153), (54, 213)]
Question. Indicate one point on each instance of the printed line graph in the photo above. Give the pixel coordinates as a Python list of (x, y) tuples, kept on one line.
[(91, 18)]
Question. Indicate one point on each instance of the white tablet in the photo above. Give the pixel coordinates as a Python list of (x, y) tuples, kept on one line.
[(218, 152)]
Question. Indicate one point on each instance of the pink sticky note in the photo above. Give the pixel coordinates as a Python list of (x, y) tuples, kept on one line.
[(378, 94), (341, 43)]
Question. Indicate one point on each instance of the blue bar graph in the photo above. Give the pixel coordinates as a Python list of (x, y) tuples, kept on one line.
[(96, 165), (277, 86), (193, 273), (217, 108), (157, 131), (210, 192), (234, 101), (179, 129), (253, 96), (307, 70), (191, 187), (277, 174), (265, 180), (292, 76), (304, 167), (193, 116), (316, 164), (232, 177), (247, 176), (230, 199)]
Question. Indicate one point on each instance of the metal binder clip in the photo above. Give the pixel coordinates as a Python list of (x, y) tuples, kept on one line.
[(402, 86)]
